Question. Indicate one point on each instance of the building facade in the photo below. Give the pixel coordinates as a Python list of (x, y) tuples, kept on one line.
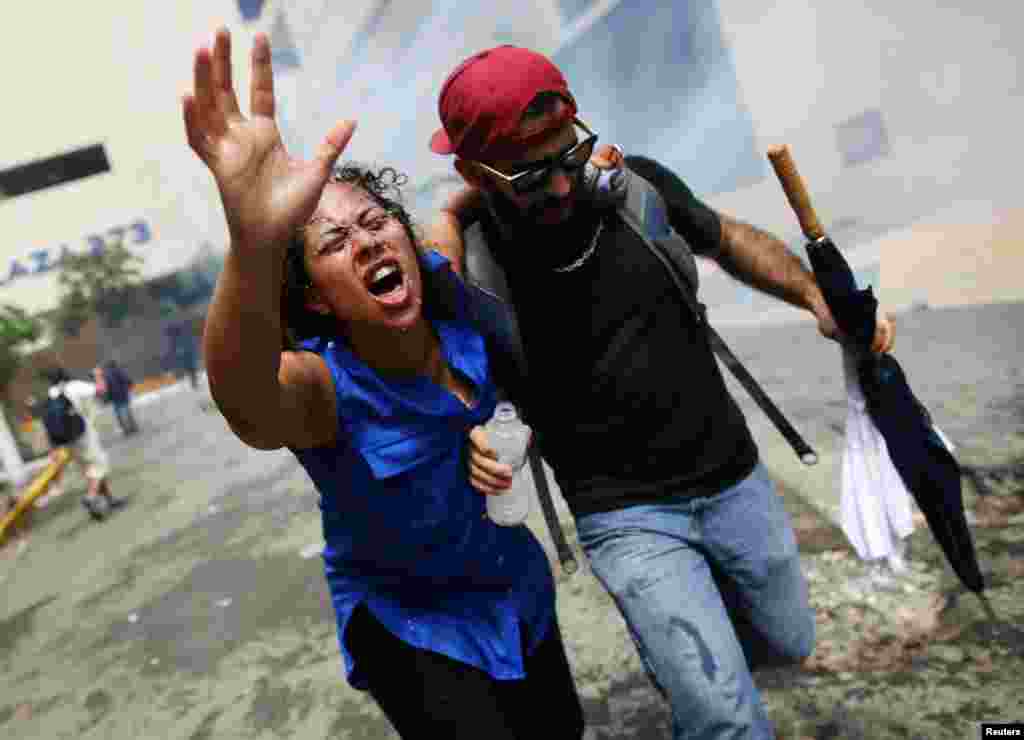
[(899, 117)]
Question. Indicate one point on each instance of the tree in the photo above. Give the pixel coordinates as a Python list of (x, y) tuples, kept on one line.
[(191, 285), (102, 282), (17, 329)]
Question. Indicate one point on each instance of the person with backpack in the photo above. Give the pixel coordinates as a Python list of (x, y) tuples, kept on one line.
[(676, 512), (68, 415)]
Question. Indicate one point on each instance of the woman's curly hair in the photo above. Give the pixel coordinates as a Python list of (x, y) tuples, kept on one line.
[(298, 322)]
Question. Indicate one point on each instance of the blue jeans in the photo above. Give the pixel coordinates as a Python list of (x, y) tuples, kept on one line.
[(709, 588), (125, 418)]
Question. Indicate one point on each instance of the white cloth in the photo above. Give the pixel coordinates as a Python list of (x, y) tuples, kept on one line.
[(875, 510)]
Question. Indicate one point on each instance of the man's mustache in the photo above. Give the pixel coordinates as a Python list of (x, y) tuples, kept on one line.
[(552, 203)]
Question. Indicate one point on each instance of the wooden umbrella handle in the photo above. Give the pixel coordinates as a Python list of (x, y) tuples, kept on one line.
[(796, 191)]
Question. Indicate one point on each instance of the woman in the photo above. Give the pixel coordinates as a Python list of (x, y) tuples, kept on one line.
[(445, 618)]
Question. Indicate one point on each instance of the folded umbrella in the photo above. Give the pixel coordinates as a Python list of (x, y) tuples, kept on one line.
[(925, 464)]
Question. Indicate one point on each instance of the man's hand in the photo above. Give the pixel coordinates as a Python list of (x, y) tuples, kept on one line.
[(885, 332), (485, 472), (606, 157), (465, 203), (885, 327), (457, 214), (266, 194), (55, 454)]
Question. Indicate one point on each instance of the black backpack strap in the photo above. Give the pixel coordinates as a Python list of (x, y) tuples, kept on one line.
[(547, 505), (806, 454)]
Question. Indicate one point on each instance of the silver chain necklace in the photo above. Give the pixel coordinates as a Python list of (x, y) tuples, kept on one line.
[(586, 255)]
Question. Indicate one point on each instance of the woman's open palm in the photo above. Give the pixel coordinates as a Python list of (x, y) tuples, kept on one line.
[(265, 192)]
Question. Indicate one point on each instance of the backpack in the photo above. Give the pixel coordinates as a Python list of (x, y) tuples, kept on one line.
[(63, 423)]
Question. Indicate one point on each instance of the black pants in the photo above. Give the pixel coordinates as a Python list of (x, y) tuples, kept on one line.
[(429, 695)]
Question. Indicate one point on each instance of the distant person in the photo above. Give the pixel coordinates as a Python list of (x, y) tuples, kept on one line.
[(69, 414), (183, 353), (188, 354), (190, 361), (119, 393)]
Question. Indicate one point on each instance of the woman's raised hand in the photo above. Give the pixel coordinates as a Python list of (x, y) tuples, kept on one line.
[(266, 193)]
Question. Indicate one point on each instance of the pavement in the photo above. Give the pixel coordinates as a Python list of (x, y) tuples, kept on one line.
[(200, 610)]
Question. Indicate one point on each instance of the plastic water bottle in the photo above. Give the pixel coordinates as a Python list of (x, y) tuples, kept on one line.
[(508, 437)]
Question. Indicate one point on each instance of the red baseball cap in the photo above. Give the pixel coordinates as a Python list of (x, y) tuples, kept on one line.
[(482, 101)]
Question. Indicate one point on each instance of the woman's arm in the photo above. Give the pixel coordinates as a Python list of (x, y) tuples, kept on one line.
[(270, 399)]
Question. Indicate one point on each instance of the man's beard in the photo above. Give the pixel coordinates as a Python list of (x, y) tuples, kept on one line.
[(533, 215), (546, 244)]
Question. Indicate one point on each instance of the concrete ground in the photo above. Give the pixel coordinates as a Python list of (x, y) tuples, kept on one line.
[(200, 610)]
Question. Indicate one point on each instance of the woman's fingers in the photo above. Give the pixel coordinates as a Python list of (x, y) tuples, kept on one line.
[(193, 129), (261, 95), (334, 144), (224, 89), (478, 443), (486, 474), (208, 115), (489, 471), (488, 483), (485, 487), (498, 480), (212, 102)]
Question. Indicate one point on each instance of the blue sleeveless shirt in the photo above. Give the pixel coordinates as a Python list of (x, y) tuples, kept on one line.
[(405, 532)]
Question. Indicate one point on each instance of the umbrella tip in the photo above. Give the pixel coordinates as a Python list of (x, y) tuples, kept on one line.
[(809, 458)]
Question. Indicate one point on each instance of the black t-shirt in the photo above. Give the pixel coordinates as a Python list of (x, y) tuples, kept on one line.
[(624, 391)]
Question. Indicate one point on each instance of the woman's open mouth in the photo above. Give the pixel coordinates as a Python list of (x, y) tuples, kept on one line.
[(386, 282)]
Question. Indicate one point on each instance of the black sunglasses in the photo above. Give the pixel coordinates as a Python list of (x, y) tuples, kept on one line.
[(535, 178)]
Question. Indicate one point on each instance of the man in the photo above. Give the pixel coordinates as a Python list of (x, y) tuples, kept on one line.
[(182, 352), (69, 418), (119, 393), (676, 513)]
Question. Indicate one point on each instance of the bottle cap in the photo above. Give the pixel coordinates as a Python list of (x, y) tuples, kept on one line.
[(505, 411)]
